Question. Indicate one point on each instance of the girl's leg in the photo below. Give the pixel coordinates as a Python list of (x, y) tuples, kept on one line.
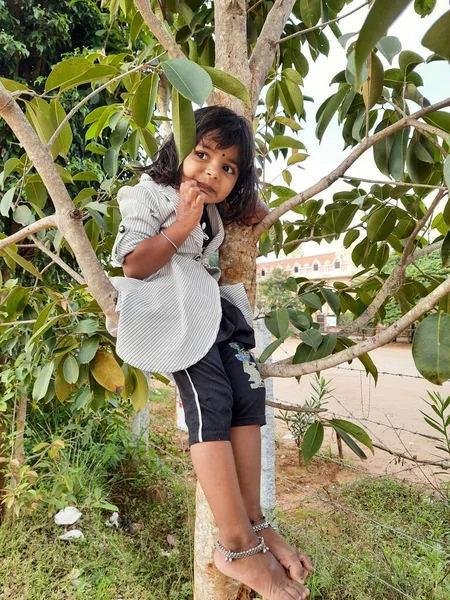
[(246, 443), (215, 467)]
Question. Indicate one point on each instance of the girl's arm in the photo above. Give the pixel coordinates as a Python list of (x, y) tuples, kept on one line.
[(153, 253), (261, 210)]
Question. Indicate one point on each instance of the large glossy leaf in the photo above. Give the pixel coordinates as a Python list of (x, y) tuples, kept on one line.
[(144, 100), (312, 441), (397, 156), (329, 108), (65, 137), (229, 84), (311, 337), (350, 442), (431, 348), (310, 11), (381, 223), (270, 349), (88, 349), (6, 201), (424, 7), (67, 70), (354, 430), (285, 141), (191, 81), (437, 38), (71, 370), (139, 395), (440, 119), (43, 381), (382, 149), (445, 251), (389, 46), (382, 14), (183, 125)]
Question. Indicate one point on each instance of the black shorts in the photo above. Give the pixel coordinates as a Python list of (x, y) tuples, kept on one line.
[(223, 390)]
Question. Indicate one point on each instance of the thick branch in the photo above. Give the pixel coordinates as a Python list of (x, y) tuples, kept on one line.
[(58, 260), (386, 336), (428, 128), (408, 184), (45, 223), (66, 221), (156, 27), (329, 179), (263, 53)]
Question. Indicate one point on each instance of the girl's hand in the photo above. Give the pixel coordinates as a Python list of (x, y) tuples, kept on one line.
[(190, 205)]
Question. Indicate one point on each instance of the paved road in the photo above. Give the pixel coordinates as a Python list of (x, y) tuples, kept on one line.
[(395, 400)]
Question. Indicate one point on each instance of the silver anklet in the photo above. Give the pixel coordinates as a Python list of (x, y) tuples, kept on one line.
[(261, 526), (230, 555)]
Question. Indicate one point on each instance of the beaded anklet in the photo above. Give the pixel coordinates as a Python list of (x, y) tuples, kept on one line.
[(230, 555), (261, 526)]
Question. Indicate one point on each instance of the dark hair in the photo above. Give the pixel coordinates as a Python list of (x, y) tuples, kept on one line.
[(226, 129)]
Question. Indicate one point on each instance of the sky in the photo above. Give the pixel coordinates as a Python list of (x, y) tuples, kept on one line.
[(323, 158)]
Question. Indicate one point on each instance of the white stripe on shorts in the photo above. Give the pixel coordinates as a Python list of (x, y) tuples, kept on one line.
[(200, 420)]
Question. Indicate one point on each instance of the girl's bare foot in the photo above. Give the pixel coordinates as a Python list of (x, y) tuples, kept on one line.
[(263, 573), (296, 563)]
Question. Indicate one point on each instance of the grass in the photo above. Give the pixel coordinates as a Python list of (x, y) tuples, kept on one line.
[(354, 539)]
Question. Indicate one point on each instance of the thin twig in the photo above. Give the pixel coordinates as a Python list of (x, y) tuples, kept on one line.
[(399, 183), (322, 25), (294, 407), (58, 260)]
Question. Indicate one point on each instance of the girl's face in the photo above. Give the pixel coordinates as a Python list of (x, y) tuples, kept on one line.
[(214, 169)]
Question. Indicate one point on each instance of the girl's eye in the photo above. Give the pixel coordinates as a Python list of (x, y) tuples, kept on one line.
[(201, 154), (229, 169)]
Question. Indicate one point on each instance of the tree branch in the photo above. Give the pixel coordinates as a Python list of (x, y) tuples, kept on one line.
[(158, 30), (399, 183), (332, 177), (322, 25), (67, 218), (427, 128), (45, 223), (294, 407), (263, 53), (281, 369), (58, 260), (413, 458)]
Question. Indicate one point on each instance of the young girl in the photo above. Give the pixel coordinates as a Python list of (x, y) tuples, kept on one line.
[(174, 318)]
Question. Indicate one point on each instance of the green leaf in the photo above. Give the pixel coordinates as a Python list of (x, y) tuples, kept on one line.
[(350, 237), (285, 141), (229, 84), (447, 172), (437, 38), (296, 158), (94, 74), (183, 125), (311, 337), (408, 60), (440, 119), (71, 370), (445, 251), (310, 11), (431, 348), (397, 156), (144, 99), (13, 86), (6, 201), (110, 162), (332, 300), (389, 46), (283, 320), (381, 223), (148, 141), (65, 137), (65, 71), (22, 215), (312, 441), (373, 87), (328, 110), (355, 431), (311, 300), (191, 80), (424, 7), (382, 149), (17, 258), (43, 381), (381, 16), (350, 442)]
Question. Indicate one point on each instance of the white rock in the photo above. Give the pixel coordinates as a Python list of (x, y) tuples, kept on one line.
[(113, 520), (68, 516), (73, 534)]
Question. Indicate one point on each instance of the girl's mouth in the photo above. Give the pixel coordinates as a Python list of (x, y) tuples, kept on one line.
[(207, 188)]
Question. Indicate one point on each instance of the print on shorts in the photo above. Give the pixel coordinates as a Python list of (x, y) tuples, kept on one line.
[(249, 365)]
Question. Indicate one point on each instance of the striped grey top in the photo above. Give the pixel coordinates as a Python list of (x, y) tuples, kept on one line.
[(169, 320)]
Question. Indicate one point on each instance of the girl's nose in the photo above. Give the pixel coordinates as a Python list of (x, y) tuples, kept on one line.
[(212, 170)]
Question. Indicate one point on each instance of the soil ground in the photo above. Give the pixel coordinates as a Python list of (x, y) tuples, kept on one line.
[(396, 401)]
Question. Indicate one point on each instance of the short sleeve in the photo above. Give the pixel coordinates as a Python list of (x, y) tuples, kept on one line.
[(139, 208)]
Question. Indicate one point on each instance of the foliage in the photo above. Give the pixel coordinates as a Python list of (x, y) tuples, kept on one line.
[(377, 538), (440, 420)]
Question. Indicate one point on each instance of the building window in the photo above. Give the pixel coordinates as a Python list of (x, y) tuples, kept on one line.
[(296, 269), (337, 264), (315, 266), (263, 272)]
